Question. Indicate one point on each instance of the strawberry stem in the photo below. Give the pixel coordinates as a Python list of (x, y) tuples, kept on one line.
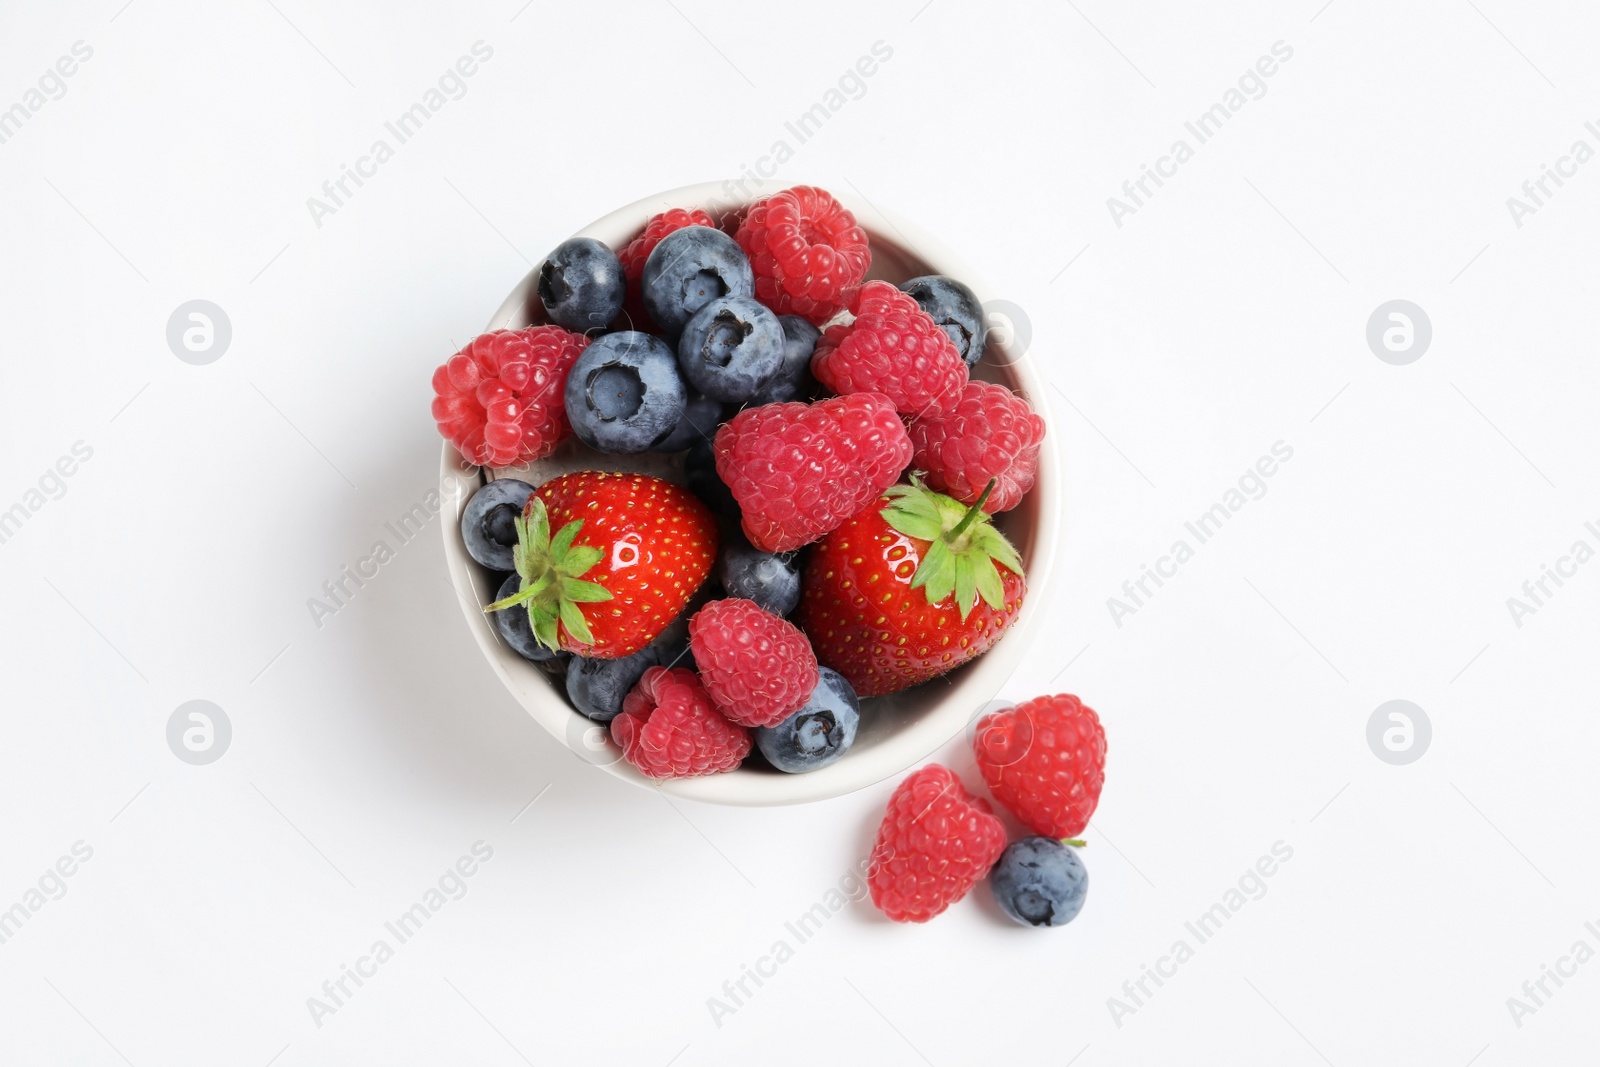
[(972, 513)]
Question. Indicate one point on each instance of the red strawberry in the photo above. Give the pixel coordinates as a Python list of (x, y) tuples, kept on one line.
[(909, 589), (628, 551), (935, 842), (1045, 762)]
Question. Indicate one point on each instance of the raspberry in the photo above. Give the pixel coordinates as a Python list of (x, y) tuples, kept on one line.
[(758, 668), (992, 433), (501, 399), (669, 729), (800, 470), (806, 250), (1044, 761), (638, 250), (936, 841), (894, 348)]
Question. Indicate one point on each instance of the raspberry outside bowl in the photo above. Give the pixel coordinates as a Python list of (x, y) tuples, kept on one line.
[(897, 732)]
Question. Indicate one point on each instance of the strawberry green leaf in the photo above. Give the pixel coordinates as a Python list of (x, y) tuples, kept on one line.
[(537, 519), (966, 583), (551, 571), (964, 550), (993, 544), (562, 542), (989, 585), (925, 527), (937, 573), (576, 626), (528, 592), (913, 512), (581, 592), (508, 602), (544, 630), (580, 558)]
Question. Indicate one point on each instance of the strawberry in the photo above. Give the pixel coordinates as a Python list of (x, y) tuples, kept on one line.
[(914, 586), (628, 552)]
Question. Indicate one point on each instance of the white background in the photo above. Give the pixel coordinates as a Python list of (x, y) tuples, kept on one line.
[(1228, 314)]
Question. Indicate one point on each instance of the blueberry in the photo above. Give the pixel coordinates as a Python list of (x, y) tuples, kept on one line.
[(1040, 882), (818, 733), (700, 472), (487, 522), (690, 268), (730, 347), (792, 380), (515, 629), (701, 414), (771, 580), (596, 686), (955, 308), (581, 285), (624, 393)]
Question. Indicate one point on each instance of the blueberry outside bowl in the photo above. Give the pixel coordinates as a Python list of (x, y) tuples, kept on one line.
[(897, 732)]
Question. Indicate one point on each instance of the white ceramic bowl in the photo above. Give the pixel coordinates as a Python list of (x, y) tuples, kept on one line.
[(897, 732)]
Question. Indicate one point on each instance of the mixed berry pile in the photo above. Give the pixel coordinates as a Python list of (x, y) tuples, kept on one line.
[(1044, 762), (832, 539)]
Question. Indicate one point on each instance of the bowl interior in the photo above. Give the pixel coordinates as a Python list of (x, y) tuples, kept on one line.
[(896, 731)]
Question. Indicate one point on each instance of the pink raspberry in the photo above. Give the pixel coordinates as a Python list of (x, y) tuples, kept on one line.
[(501, 400), (758, 668), (799, 471), (669, 729), (936, 841), (1045, 762), (636, 251), (806, 250), (895, 348), (992, 433)]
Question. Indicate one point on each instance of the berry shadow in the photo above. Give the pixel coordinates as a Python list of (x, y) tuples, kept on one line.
[(428, 703)]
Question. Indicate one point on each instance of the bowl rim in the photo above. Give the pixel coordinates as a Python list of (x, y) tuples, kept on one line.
[(976, 683)]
